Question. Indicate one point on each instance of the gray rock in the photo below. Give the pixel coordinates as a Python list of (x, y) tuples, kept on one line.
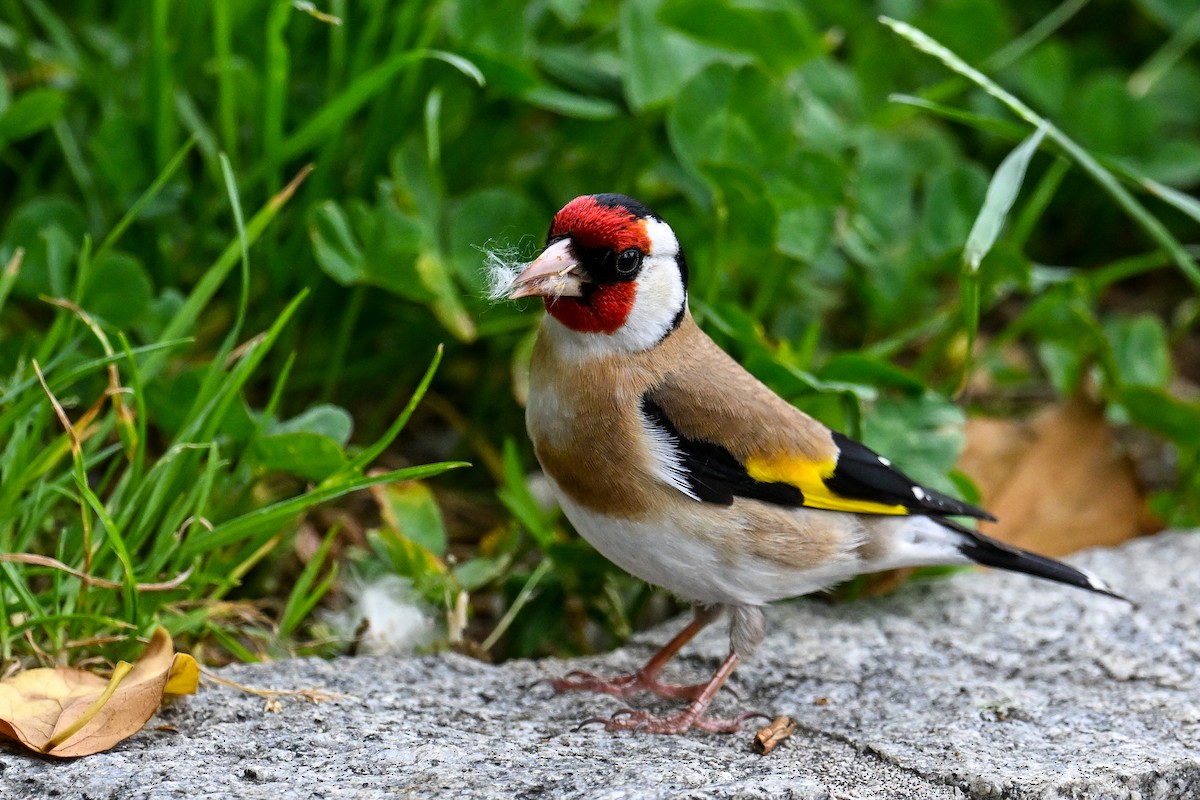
[(979, 686)]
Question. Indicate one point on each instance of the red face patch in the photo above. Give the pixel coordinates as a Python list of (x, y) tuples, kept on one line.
[(594, 225), (604, 311), (591, 224)]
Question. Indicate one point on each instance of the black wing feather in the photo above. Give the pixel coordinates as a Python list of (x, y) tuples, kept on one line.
[(713, 473), (861, 474)]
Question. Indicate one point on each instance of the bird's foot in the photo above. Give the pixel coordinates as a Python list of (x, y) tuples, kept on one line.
[(629, 719), (624, 685)]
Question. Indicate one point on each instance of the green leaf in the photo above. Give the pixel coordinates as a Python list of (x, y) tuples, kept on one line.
[(732, 116), (330, 421), (570, 104), (1102, 176), (1156, 410), (1168, 13), (520, 502), (305, 455), (303, 597), (883, 187), (1001, 194), (495, 218), (448, 306), (54, 251), (475, 573), (646, 44), (271, 517), (1139, 350), (372, 451), (1184, 202), (335, 247), (860, 369), (806, 195), (496, 27), (750, 225), (1064, 363), (922, 435), (777, 33), (805, 231), (118, 290), (1046, 76), (32, 111), (411, 510), (330, 118), (951, 198), (410, 560), (977, 27), (35, 226), (1108, 119)]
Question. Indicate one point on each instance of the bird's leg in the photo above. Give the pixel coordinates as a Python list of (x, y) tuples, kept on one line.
[(691, 717), (747, 626), (646, 678)]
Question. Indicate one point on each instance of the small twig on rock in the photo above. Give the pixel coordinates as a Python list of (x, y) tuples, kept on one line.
[(771, 735)]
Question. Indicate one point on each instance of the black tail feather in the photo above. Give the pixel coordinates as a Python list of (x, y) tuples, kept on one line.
[(994, 553)]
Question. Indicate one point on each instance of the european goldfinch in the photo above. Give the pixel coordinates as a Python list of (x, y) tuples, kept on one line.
[(680, 467)]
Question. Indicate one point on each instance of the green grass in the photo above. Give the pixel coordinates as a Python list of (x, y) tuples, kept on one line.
[(235, 235), (117, 510)]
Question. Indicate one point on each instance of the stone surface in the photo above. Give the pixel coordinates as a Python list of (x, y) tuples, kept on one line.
[(978, 686)]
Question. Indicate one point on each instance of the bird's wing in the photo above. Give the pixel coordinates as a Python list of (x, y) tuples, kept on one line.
[(730, 436)]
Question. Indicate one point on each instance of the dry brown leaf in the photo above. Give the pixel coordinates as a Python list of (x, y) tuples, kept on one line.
[(1057, 483), (66, 712)]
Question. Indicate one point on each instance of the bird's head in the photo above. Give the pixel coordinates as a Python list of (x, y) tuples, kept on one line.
[(612, 270)]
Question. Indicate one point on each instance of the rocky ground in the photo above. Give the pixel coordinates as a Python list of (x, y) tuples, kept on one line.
[(982, 685)]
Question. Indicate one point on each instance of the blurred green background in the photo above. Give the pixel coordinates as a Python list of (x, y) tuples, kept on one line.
[(237, 231)]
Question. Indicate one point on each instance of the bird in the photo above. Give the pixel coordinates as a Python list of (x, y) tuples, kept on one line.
[(683, 469)]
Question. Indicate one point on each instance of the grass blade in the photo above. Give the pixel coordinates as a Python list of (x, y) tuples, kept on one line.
[(276, 514), (226, 91), (1001, 194), (371, 453), (151, 192), (1183, 202), (1166, 57), (301, 600), (9, 276), (362, 89), (207, 286), (239, 221), (1148, 222)]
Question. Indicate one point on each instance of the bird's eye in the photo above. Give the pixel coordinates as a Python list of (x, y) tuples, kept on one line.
[(628, 261)]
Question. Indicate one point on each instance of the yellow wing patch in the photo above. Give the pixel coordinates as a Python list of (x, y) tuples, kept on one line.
[(809, 477)]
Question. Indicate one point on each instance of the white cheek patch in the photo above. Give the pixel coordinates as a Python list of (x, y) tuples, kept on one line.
[(660, 295)]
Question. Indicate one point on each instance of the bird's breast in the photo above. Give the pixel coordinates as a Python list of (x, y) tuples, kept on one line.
[(584, 421)]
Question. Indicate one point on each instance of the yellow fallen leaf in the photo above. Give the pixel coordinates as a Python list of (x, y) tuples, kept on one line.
[(67, 712), (184, 676)]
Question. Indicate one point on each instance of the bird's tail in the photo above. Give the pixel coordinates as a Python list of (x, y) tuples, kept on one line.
[(993, 553)]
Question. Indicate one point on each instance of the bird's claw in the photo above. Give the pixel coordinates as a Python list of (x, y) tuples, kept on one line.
[(591, 721), (580, 681), (632, 719), (623, 685), (746, 716)]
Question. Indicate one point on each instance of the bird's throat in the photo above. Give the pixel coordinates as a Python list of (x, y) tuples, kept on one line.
[(604, 310)]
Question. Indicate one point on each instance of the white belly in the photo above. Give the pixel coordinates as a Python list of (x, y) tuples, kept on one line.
[(695, 555)]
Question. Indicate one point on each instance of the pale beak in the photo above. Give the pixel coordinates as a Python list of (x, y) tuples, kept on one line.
[(555, 273)]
